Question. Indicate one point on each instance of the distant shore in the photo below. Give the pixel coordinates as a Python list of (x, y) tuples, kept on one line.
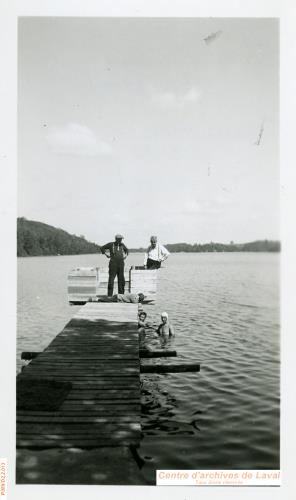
[(35, 239), (253, 246)]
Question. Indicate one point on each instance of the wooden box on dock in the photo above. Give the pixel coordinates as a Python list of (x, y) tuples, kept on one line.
[(144, 280), (82, 284), (86, 283)]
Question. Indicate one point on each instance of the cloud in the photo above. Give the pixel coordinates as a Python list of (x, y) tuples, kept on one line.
[(206, 206), (76, 139), (200, 207), (174, 100)]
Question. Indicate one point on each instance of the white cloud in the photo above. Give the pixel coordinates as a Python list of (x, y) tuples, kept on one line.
[(207, 206), (200, 207), (76, 139), (174, 100)]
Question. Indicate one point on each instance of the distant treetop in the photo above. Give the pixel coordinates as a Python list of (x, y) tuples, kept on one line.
[(37, 238)]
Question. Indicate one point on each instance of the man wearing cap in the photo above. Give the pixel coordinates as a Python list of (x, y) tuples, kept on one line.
[(155, 254), (117, 253)]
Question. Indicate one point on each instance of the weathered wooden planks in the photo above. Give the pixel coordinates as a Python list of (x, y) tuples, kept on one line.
[(98, 352)]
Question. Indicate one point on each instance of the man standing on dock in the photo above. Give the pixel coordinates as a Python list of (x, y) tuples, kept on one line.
[(155, 254), (117, 255)]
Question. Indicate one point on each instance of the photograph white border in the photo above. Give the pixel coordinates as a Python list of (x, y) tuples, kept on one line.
[(9, 12)]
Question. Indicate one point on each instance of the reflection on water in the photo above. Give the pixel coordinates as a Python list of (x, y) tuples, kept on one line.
[(224, 309)]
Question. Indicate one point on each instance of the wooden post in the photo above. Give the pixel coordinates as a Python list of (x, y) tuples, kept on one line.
[(29, 355), (145, 353), (171, 368)]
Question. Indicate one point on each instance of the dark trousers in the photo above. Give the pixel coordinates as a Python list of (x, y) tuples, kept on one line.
[(116, 268), (153, 264)]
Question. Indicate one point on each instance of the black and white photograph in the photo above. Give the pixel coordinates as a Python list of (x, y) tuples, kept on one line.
[(147, 266), (148, 248)]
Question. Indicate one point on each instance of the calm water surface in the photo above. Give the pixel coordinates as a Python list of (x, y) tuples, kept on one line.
[(225, 312)]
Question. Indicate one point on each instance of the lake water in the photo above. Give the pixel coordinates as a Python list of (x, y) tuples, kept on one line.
[(225, 312)]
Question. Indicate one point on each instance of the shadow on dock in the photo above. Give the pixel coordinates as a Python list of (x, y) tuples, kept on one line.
[(79, 405)]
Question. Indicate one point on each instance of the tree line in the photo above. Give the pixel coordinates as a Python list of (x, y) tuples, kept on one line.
[(254, 246), (36, 238)]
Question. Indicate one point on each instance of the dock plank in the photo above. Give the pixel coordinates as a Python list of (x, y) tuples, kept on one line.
[(98, 352), (84, 444)]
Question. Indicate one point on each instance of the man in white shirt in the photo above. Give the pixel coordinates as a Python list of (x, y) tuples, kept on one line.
[(155, 254)]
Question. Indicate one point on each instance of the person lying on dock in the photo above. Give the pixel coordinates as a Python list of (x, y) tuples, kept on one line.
[(165, 328), (132, 298)]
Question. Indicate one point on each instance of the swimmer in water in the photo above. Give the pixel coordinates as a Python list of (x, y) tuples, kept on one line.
[(165, 328), (142, 327), (142, 321)]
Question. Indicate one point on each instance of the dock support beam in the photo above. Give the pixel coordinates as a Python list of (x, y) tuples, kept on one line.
[(28, 355), (161, 353), (171, 368)]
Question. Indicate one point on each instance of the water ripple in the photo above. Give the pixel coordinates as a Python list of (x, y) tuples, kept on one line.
[(225, 311)]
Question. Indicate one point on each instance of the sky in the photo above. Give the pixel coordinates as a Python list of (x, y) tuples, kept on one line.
[(150, 126)]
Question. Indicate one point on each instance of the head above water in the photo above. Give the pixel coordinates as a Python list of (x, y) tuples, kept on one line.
[(141, 297), (164, 317)]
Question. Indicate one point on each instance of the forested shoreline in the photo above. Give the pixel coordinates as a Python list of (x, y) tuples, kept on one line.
[(36, 238), (253, 246)]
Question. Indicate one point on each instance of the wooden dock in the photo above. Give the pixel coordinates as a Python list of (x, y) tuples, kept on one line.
[(94, 364), (79, 401)]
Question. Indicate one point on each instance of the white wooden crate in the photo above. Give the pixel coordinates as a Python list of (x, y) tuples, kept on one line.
[(88, 282), (82, 284), (145, 281)]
